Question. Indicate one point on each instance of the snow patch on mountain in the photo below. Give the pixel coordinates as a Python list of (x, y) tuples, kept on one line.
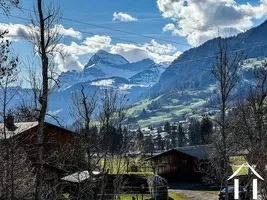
[(105, 82), (149, 76)]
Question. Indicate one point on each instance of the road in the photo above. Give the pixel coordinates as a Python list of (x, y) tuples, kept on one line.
[(192, 191), (196, 195)]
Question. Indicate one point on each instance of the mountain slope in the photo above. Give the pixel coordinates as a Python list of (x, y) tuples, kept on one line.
[(196, 63), (187, 88)]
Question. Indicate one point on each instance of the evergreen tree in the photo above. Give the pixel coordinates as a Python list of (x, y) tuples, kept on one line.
[(181, 136), (206, 130), (159, 129), (167, 127), (140, 135), (140, 139), (194, 132), (148, 145), (174, 137), (160, 143)]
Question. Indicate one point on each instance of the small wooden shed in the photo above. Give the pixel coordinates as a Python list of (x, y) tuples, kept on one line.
[(181, 164)]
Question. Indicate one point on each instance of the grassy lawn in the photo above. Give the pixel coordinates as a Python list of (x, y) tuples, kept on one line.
[(243, 171), (236, 162), (119, 165)]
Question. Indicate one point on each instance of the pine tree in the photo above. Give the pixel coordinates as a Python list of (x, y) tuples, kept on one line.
[(160, 144), (194, 132), (206, 130), (159, 129), (174, 137), (140, 139), (181, 136), (148, 145), (167, 128)]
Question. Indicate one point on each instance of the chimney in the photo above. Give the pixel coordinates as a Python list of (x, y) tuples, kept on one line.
[(9, 123)]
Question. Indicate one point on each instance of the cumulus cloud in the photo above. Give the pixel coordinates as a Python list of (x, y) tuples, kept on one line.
[(67, 31), (201, 20), (16, 31), (71, 53), (88, 46), (124, 17), (68, 62), (23, 32), (153, 50)]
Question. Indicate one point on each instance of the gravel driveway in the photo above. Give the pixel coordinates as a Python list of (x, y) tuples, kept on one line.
[(196, 195)]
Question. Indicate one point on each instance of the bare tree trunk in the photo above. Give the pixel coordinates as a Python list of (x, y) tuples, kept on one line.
[(7, 78), (225, 72), (43, 102)]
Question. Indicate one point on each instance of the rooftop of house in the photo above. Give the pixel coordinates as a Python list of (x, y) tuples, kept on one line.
[(21, 127), (199, 151)]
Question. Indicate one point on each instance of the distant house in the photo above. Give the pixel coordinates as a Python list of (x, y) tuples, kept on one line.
[(181, 164)]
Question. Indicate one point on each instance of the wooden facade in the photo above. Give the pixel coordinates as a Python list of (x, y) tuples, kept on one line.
[(61, 148), (177, 165)]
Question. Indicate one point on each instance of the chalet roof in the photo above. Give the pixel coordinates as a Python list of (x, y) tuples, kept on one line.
[(199, 151), (21, 127), (25, 126)]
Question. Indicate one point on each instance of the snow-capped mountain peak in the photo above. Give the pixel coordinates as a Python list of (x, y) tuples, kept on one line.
[(103, 57)]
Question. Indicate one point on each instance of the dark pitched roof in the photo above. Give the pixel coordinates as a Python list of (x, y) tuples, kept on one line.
[(199, 151)]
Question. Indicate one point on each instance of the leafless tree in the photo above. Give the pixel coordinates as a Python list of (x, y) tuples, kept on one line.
[(99, 142), (250, 123), (8, 89), (226, 73), (45, 39), (82, 111), (7, 5)]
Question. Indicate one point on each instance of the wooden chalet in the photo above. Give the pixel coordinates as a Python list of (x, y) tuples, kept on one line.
[(60, 147), (181, 164)]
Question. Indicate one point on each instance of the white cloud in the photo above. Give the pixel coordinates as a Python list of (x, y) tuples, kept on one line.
[(68, 62), (16, 31), (124, 17), (72, 52), (97, 42), (153, 50), (23, 32), (201, 20), (68, 31)]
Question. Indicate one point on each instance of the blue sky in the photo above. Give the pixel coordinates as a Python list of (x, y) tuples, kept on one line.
[(188, 22)]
